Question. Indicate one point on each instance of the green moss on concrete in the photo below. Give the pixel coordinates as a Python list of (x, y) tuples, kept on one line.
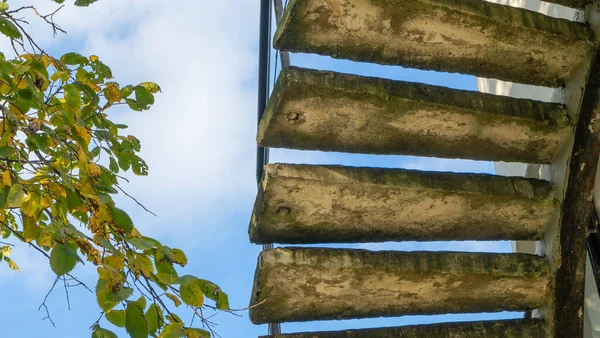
[(472, 271), (395, 99), (508, 26), (278, 217)]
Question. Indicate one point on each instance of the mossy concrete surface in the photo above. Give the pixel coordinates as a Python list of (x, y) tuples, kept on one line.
[(465, 36), (306, 284), (529, 328), (299, 204), (327, 111)]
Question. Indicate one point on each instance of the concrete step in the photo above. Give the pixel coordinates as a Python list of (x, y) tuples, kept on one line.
[(327, 111), (301, 204), (528, 328), (464, 36), (301, 284)]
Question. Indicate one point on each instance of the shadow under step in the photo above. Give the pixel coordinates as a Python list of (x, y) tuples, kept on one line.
[(301, 284), (465, 36), (522, 328), (327, 111), (301, 204)]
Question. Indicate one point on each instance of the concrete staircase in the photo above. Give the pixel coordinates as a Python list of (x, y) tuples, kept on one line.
[(327, 111)]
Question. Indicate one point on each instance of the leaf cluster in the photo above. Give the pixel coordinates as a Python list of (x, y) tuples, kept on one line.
[(61, 157)]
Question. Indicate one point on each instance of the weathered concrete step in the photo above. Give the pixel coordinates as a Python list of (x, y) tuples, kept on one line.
[(464, 36), (316, 110), (300, 284), (300, 204), (528, 328)]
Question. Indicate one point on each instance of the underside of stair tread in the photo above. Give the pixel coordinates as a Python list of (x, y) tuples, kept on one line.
[(523, 328), (327, 111), (301, 284), (300, 204), (465, 36)]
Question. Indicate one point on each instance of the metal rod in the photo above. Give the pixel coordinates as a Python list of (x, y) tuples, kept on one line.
[(264, 63), (263, 78), (285, 56)]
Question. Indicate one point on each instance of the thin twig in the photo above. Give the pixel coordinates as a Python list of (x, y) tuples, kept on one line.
[(136, 201)]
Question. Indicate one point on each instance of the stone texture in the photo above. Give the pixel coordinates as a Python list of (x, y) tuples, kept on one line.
[(316, 110), (530, 328), (464, 36), (324, 204), (301, 284)]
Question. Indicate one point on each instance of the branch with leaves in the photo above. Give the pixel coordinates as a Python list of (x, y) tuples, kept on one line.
[(60, 160)]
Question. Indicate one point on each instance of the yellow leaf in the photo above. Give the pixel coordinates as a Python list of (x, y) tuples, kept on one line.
[(57, 189), (151, 86), (94, 169), (12, 264), (20, 82), (85, 134), (174, 298), (93, 58), (114, 262), (60, 75), (112, 92), (30, 228), (135, 233), (6, 250), (30, 205), (14, 109), (94, 86), (82, 158), (45, 240), (6, 179), (46, 201)]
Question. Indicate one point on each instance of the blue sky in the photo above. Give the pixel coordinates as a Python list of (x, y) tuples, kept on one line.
[(199, 142)]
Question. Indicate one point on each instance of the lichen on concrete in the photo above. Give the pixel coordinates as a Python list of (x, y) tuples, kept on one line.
[(464, 36), (324, 204), (299, 284), (329, 111)]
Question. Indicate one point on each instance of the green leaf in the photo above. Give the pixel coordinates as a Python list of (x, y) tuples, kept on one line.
[(82, 3), (155, 318), (9, 29), (113, 166), (126, 91), (196, 333), (4, 6), (73, 59), (214, 292), (136, 323), (166, 273), (191, 293), (15, 196), (142, 243), (116, 317), (62, 259), (108, 296), (6, 151), (173, 330), (102, 333), (122, 220), (72, 96), (143, 96)]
